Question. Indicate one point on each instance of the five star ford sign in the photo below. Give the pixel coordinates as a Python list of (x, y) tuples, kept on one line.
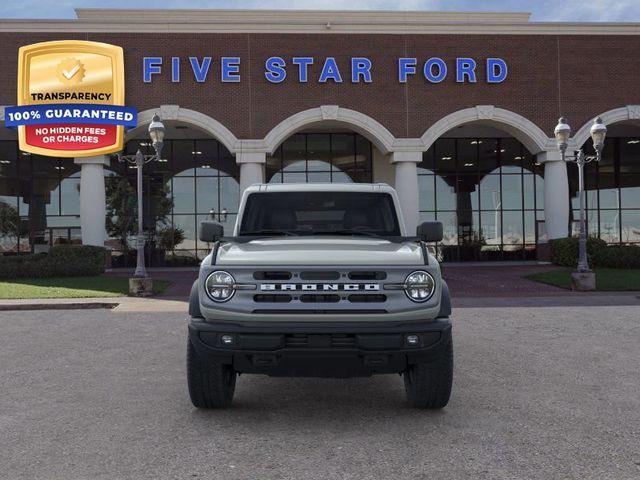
[(71, 99)]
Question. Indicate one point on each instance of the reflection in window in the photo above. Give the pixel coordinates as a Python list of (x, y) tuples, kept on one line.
[(321, 158), (200, 180), (612, 191), (488, 194)]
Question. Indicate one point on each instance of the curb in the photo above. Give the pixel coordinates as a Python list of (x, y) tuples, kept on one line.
[(57, 306)]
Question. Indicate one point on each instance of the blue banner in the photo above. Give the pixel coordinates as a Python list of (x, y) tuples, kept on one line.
[(70, 113)]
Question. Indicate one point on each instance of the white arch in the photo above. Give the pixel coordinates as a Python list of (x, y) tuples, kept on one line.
[(197, 119), (622, 114), (382, 138), (531, 136)]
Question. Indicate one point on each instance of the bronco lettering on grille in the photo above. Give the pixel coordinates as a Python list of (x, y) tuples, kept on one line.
[(324, 287)]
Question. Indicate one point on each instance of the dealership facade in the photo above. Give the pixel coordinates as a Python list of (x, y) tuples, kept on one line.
[(455, 110)]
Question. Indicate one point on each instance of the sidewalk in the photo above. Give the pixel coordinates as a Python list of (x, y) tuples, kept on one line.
[(117, 304)]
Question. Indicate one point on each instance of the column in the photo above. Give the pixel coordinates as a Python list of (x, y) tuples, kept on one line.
[(406, 184), (556, 194), (251, 168), (93, 208)]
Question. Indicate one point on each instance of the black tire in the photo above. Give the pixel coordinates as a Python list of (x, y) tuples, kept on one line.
[(428, 384), (211, 384)]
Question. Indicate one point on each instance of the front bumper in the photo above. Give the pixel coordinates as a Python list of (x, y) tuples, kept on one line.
[(302, 349)]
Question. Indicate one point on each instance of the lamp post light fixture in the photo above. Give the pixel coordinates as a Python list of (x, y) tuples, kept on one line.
[(156, 133), (562, 133)]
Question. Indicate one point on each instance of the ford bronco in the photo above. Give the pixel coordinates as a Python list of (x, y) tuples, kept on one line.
[(320, 280)]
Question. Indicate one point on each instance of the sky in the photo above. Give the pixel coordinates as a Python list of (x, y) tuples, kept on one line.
[(542, 10)]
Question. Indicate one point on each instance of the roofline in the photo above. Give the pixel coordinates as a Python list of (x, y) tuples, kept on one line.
[(266, 15), (310, 21), (320, 187)]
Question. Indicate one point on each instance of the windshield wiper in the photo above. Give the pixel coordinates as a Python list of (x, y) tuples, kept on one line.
[(270, 231), (349, 232)]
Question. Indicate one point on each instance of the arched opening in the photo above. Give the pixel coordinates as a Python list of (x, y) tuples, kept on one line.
[(39, 199), (612, 186), (485, 187), (322, 155), (328, 144), (197, 179)]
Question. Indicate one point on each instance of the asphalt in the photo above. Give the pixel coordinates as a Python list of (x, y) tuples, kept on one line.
[(539, 393)]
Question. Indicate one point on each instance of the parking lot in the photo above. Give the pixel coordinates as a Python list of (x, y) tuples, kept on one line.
[(538, 393)]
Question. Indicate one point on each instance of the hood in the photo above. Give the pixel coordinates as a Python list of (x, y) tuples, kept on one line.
[(323, 250)]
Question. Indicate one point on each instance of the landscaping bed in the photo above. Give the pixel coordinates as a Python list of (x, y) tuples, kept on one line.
[(607, 279)]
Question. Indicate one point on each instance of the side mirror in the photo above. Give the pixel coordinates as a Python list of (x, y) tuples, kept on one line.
[(430, 231), (210, 231)]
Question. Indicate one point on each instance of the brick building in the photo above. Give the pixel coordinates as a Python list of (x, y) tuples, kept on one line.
[(456, 110)]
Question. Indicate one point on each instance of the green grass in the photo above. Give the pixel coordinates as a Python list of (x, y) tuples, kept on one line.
[(607, 279), (70, 287)]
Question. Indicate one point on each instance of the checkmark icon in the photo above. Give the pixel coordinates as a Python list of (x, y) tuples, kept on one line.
[(71, 73)]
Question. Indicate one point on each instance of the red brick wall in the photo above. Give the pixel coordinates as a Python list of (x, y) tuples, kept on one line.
[(578, 76)]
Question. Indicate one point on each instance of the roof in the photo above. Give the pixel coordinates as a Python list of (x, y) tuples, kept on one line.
[(310, 21), (320, 187)]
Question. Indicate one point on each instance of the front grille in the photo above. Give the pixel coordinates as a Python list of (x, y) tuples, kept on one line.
[(316, 290), (335, 340)]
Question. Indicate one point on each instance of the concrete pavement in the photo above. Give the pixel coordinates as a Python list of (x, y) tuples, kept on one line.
[(548, 393)]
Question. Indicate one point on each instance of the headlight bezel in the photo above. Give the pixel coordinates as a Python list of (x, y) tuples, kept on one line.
[(407, 285), (230, 287)]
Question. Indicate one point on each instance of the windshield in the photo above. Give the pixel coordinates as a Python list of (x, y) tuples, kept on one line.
[(320, 213)]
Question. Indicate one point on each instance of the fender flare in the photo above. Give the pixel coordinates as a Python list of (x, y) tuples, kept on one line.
[(194, 301), (445, 301)]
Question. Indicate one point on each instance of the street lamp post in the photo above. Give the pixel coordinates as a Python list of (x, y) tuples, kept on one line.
[(562, 133), (156, 133)]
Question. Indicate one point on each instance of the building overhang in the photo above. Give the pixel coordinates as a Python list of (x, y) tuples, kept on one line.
[(311, 21)]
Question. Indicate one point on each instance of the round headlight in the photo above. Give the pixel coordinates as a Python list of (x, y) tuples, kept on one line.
[(419, 286), (220, 286)]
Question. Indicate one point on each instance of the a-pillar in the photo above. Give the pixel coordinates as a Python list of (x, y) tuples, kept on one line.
[(251, 168), (556, 194), (93, 208), (406, 184)]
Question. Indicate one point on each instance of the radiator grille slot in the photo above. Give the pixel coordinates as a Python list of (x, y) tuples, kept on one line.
[(319, 275), (367, 275), (336, 340), (267, 298), (360, 298), (319, 298), (272, 275)]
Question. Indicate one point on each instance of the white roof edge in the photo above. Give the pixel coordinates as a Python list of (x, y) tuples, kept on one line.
[(319, 187), (285, 15), (315, 25)]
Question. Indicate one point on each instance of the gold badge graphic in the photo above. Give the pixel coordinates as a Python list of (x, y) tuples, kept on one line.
[(72, 94), (70, 71)]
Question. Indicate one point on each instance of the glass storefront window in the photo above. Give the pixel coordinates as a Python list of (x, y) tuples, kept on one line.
[(321, 158), (512, 192), (488, 193), (630, 225), (612, 191)]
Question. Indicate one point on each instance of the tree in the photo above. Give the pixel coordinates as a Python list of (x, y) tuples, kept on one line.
[(122, 208), (9, 221), (169, 237)]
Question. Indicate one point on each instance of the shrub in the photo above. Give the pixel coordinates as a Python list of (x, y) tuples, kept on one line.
[(564, 252), (618, 256), (61, 261), (169, 237)]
